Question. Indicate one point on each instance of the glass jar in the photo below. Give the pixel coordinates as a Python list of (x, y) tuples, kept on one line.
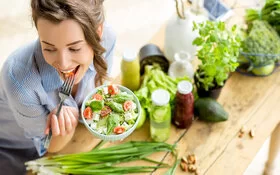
[(130, 70), (160, 118), (184, 105), (182, 65)]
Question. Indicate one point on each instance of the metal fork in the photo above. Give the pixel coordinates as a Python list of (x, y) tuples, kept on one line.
[(64, 93)]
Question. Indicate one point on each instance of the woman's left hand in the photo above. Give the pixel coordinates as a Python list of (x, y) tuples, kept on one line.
[(63, 124)]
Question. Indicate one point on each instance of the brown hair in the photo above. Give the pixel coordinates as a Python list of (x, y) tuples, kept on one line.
[(88, 13)]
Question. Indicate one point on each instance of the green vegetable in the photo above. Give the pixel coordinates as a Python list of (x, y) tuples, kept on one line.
[(208, 109), (218, 49), (103, 161), (153, 79), (172, 170), (102, 122), (142, 118), (116, 107), (112, 122), (261, 43), (96, 105), (270, 12), (121, 98)]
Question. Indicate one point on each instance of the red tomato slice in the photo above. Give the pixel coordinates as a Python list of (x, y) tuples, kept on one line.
[(127, 105), (112, 89), (105, 111), (88, 113), (97, 97), (119, 129)]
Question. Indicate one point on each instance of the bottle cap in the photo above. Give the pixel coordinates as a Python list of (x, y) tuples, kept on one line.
[(182, 56), (129, 55), (160, 97), (184, 87)]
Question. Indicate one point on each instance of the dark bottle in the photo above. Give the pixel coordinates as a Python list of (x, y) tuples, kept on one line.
[(184, 105)]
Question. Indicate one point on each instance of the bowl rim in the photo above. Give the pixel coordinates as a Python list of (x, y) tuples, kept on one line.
[(111, 137)]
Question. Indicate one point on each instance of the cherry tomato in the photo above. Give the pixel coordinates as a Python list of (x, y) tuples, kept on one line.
[(119, 129), (88, 113), (69, 74), (127, 105), (97, 97), (113, 90), (105, 111)]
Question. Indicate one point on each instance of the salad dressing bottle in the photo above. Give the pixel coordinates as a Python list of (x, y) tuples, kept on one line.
[(130, 70), (184, 105)]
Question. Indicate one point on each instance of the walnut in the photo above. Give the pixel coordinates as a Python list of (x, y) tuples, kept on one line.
[(191, 159), (192, 168), (252, 133), (184, 166), (184, 159)]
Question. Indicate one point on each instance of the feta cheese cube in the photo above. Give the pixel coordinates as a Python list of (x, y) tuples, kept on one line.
[(128, 116)]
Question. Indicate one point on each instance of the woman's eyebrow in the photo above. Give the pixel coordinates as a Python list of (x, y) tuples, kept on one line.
[(48, 43), (73, 43)]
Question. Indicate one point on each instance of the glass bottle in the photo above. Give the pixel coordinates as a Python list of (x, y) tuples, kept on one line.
[(182, 65), (130, 70), (184, 105), (160, 118), (179, 33)]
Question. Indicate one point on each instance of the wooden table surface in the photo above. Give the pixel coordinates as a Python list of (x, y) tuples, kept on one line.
[(250, 102)]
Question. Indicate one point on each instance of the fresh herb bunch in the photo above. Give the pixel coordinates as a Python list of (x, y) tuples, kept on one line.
[(262, 44), (218, 49)]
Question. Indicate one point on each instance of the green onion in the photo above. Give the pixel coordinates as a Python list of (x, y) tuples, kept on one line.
[(103, 160)]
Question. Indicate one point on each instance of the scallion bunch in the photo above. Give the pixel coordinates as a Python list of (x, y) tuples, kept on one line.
[(103, 161)]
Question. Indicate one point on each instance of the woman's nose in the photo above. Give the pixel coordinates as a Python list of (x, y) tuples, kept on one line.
[(63, 60)]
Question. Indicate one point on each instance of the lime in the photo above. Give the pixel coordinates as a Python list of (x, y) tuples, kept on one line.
[(264, 70), (142, 118)]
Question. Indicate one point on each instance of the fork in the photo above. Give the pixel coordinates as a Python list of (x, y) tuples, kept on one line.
[(64, 93)]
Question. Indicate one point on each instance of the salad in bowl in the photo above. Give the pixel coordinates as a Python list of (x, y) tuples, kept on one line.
[(111, 112)]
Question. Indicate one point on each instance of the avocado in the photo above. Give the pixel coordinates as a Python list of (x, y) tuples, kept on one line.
[(208, 109)]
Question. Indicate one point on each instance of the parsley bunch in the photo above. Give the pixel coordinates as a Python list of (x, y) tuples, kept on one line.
[(218, 50)]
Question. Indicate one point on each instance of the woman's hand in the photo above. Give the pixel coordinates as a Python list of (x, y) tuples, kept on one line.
[(63, 124)]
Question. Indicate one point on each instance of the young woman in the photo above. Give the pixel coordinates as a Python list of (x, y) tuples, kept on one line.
[(72, 38)]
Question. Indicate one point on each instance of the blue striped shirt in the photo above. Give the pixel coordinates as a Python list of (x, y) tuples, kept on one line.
[(29, 91)]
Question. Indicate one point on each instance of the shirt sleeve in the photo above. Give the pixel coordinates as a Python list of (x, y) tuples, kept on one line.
[(109, 43), (23, 93)]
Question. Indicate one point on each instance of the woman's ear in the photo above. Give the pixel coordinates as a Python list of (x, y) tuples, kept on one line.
[(100, 30)]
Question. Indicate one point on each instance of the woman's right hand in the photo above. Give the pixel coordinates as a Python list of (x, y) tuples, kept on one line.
[(63, 124)]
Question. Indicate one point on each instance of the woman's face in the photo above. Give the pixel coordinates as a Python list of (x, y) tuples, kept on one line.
[(64, 47)]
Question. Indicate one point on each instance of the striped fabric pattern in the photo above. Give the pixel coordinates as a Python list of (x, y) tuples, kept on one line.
[(29, 91)]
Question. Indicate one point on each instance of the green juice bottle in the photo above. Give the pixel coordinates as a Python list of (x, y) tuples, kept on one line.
[(160, 118), (130, 70)]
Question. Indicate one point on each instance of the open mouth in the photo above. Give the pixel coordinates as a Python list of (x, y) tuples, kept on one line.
[(72, 72)]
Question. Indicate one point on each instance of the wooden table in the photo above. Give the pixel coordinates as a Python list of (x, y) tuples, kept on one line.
[(250, 101)]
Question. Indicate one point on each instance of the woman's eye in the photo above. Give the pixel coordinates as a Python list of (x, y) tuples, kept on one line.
[(50, 50), (74, 50)]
